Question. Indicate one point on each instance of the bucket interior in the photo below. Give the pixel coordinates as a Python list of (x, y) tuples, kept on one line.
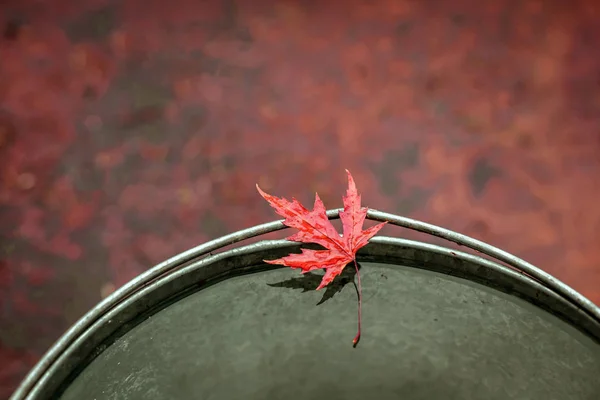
[(267, 334)]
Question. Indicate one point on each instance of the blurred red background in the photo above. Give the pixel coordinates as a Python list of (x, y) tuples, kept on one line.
[(132, 130)]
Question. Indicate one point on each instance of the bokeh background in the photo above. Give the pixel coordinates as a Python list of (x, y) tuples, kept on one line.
[(132, 130)]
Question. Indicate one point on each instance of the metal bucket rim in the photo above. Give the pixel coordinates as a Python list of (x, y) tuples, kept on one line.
[(146, 295), (144, 279)]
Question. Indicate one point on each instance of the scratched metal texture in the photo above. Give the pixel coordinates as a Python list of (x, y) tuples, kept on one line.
[(132, 130)]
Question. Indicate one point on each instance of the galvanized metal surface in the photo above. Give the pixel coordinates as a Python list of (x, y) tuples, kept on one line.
[(132, 299), (427, 336)]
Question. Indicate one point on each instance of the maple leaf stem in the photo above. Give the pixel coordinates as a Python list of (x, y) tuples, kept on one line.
[(357, 337)]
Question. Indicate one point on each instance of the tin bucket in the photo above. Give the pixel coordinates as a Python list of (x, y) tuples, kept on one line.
[(438, 324)]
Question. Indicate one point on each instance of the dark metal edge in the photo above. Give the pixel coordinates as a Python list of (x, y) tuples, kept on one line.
[(248, 259), (165, 267)]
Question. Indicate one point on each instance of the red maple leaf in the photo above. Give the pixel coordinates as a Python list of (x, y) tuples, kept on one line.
[(314, 227)]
